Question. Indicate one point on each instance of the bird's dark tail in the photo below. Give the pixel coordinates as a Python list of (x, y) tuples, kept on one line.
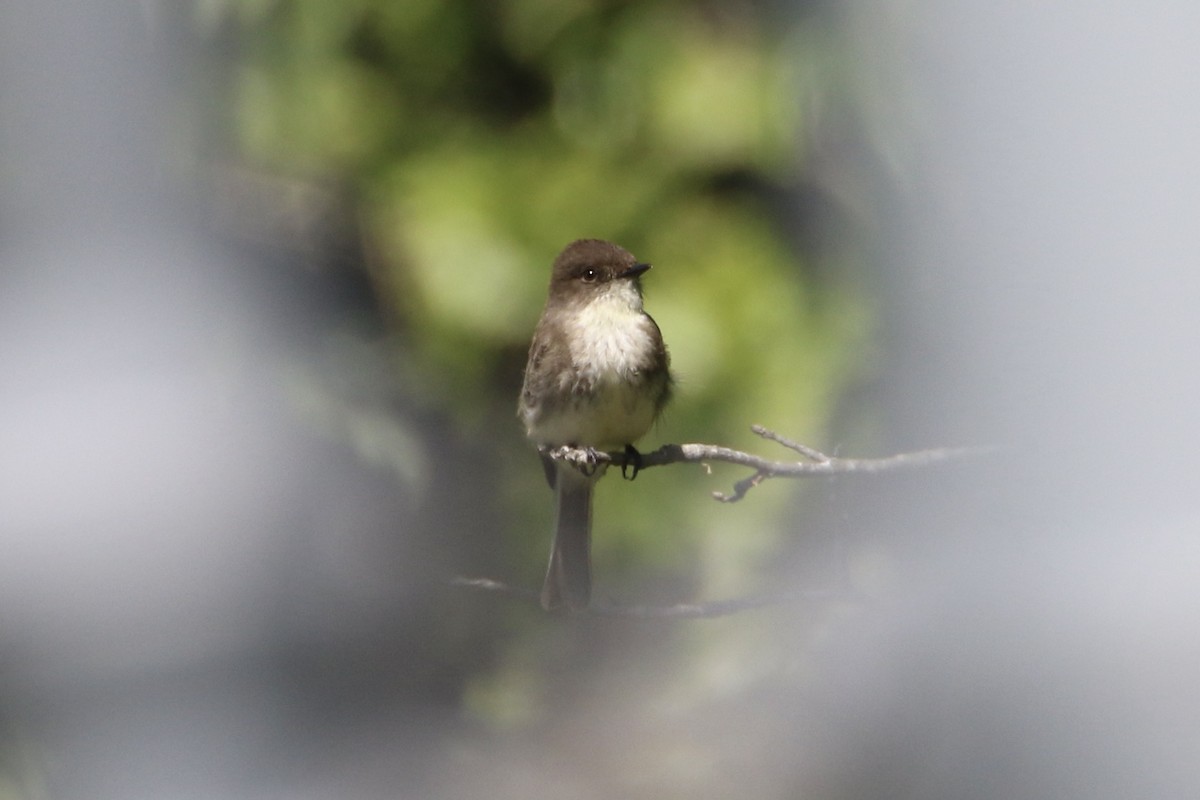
[(569, 575)]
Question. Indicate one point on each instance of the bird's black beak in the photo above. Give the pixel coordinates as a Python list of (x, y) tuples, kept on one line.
[(635, 270)]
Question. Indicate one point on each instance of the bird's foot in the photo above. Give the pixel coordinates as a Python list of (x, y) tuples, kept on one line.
[(632, 462), (584, 459)]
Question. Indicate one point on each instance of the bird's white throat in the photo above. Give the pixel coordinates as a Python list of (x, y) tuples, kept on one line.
[(612, 335), (612, 344)]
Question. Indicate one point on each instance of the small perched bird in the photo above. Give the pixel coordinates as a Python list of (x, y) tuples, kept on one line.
[(597, 378)]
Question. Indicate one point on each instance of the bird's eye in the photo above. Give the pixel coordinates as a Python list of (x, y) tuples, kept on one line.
[(590, 275)]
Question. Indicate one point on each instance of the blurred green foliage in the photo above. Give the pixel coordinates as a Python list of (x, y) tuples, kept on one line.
[(480, 136)]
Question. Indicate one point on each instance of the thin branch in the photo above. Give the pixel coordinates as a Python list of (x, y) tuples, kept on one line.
[(710, 610), (802, 449), (497, 587), (817, 464)]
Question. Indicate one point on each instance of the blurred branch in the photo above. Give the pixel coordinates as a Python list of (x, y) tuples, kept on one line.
[(718, 608), (815, 463)]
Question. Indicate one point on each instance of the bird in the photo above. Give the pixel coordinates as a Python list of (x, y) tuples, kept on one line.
[(597, 378)]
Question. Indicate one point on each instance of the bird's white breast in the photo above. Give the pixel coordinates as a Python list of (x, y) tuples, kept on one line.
[(611, 341), (614, 336)]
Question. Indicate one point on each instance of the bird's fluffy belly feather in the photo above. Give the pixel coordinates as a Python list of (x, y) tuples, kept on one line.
[(610, 404)]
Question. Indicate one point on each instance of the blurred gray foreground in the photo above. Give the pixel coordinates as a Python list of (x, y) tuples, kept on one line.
[(1043, 295)]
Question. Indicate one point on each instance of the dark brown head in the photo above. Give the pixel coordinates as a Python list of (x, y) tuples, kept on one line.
[(590, 268)]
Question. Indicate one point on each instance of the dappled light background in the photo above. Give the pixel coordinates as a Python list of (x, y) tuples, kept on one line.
[(268, 271)]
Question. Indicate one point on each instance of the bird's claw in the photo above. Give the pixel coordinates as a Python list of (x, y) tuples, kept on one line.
[(584, 459), (633, 462)]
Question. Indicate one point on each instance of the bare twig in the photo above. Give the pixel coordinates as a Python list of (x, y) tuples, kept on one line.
[(489, 585), (710, 610), (802, 449), (817, 464)]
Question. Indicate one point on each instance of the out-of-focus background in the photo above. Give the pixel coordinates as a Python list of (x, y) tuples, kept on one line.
[(268, 270)]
